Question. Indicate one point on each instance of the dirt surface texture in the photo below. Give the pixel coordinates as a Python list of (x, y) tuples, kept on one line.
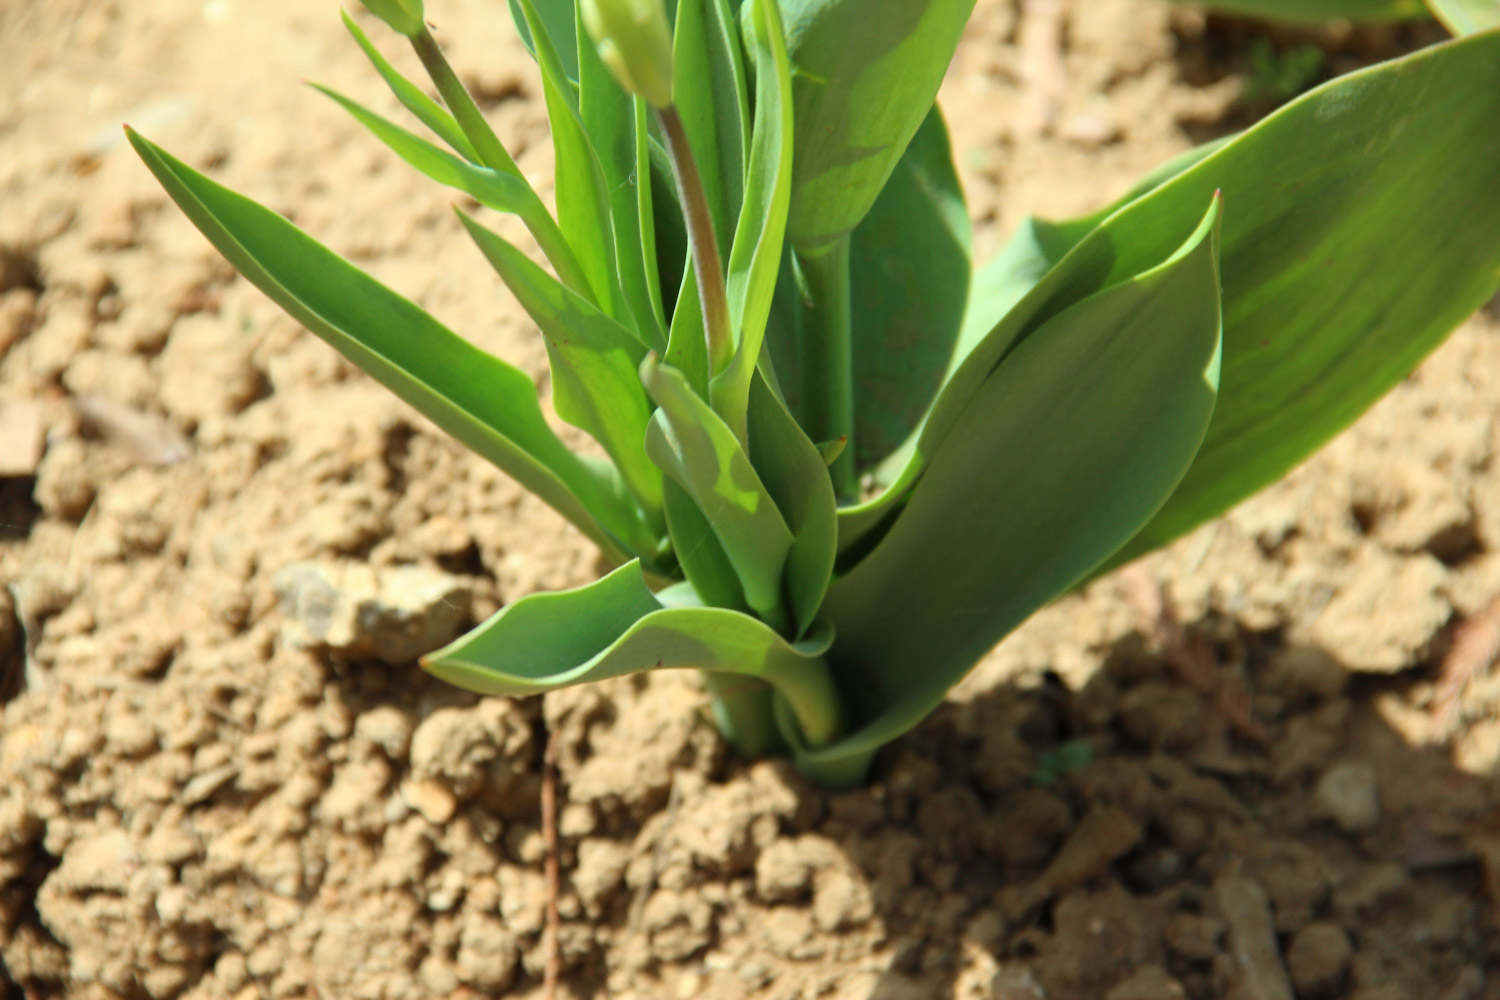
[(1259, 765)]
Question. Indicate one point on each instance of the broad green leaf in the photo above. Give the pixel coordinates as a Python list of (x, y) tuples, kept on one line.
[(755, 258), (909, 270), (1365, 237), (412, 97), (797, 478), (482, 401), (711, 96), (558, 16), (612, 119), (595, 385), (693, 445), (1369, 232), (1324, 10), (583, 203), (615, 626), (865, 76), (1465, 17), (1069, 446), (1037, 246)]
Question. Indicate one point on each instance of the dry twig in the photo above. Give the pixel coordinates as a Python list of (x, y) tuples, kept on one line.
[(549, 835)]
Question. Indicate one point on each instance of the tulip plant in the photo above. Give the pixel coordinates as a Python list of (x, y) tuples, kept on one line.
[(841, 463)]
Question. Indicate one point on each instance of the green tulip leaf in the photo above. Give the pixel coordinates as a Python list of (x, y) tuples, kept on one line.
[(693, 445), (1068, 447), (1369, 234), (711, 96), (1316, 328), (412, 97), (796, 476), (595, 385), (483, 402), (865, 76), (616, 123), (558, 17), (616, 626), (583, 202), (755, 258), (703, 560), (909, 271)]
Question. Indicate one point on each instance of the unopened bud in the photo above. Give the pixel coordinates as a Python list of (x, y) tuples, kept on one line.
[(404, 16), (635, 42)]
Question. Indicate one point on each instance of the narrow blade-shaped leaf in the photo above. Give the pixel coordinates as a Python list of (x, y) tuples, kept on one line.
[(616, 626), (583, 205), (702, 558), (694, 446), (612, 118), (558, 16), (413, 98), (797, 478), (756, 256), (479, 399), (710, 92), (494, 189), (595, 385), (1067, 449)]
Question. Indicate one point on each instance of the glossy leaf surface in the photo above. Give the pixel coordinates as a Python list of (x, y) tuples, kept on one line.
[(1070, 446), (796, 476), (595, 385), (615, 123), (866, 74), (617, 626), (755, 259), (693, 445), (482, 401), (583, 203), (412, 97)]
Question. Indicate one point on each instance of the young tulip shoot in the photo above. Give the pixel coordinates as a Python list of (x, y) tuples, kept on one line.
[(761, 286)]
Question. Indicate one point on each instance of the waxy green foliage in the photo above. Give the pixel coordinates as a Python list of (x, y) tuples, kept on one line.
[(841, 463)]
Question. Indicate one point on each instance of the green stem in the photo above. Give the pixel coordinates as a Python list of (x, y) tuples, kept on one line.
[(707, 264), (744, 712), (824, 336), (493, 154)]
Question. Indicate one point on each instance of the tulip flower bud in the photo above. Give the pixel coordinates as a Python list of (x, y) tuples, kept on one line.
[(404, 16), (635, 42)]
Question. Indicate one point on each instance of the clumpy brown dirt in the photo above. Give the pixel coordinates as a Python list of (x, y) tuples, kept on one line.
[(1261, 765)]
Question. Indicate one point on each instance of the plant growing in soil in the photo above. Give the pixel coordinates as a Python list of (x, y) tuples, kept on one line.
[(841, 464)]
